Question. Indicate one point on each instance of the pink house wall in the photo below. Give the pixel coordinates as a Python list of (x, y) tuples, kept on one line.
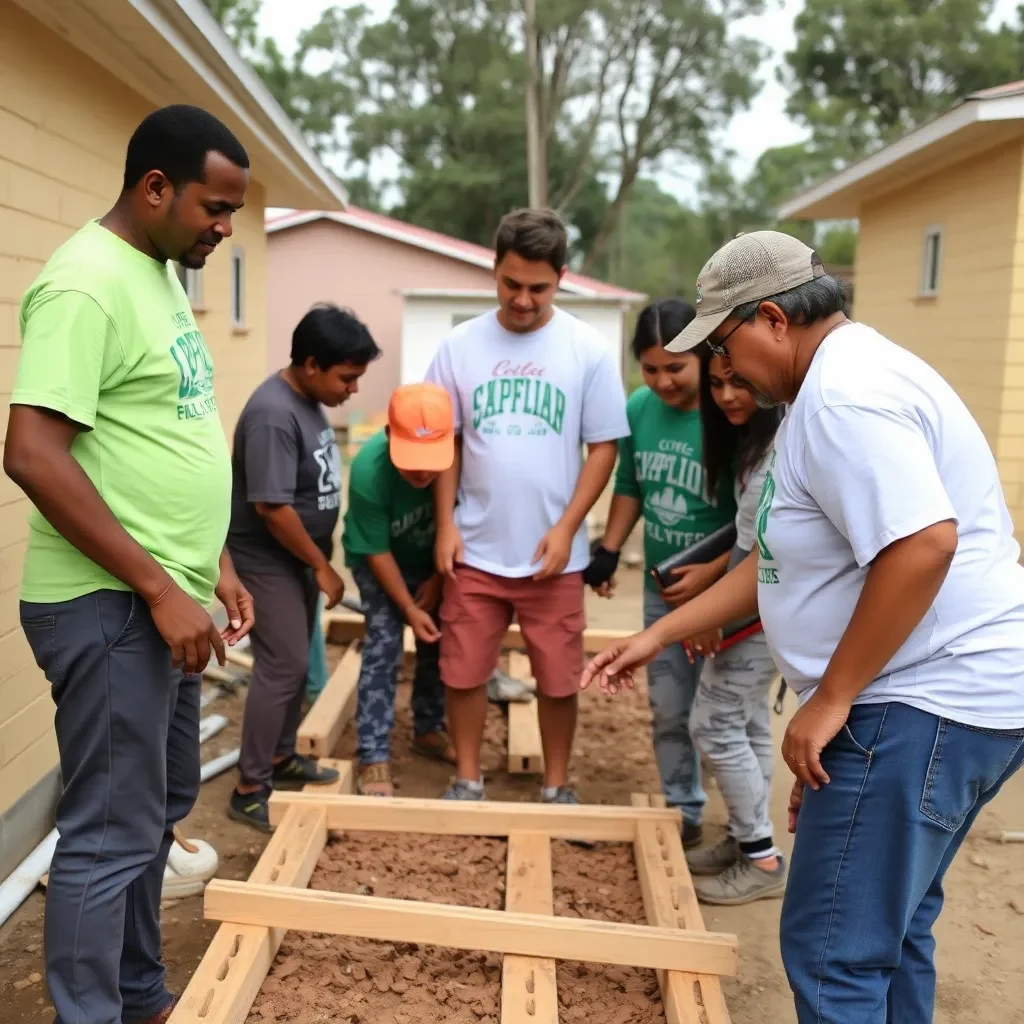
[(328, 262)]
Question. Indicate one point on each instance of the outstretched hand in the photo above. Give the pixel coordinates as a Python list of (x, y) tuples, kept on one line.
[(613, 668)]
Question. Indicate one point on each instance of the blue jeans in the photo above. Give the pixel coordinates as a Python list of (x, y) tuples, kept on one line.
[(378, 675), (671, 687), (872, 847)]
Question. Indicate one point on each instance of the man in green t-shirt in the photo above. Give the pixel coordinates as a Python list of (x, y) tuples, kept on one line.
[(114, 435), (389, 546), (660, 476)]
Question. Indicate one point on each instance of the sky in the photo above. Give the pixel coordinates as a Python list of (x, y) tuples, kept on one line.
[(763, 125)]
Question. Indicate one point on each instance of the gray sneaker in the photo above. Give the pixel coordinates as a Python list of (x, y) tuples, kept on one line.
[(742, 883), (462, 790), (713, 860), (563, 795)]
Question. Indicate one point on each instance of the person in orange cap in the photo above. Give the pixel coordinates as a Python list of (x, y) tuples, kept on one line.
[(388, 539)]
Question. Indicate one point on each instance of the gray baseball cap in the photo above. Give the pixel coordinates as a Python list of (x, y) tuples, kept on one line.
[(747, 269)]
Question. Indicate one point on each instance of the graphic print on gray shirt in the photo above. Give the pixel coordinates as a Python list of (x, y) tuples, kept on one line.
[(284, 454)]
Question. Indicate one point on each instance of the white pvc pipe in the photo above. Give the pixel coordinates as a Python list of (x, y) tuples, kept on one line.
[(210, 726), (25, 877), (219, 764)]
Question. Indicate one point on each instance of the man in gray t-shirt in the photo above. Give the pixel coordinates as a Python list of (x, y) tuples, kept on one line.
[(286, 497)]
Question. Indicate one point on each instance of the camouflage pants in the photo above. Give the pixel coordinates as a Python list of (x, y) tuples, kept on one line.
[(381, 655), (731, 725)]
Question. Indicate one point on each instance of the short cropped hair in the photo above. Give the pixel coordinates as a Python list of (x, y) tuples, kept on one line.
[(176, 141), (332, 335), (534, 235), (806, 304)]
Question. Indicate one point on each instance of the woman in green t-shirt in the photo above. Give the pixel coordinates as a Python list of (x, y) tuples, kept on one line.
[(661, 477)]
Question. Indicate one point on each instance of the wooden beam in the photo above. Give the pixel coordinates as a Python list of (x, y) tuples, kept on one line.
[(344, 626), (335, 707), (528, 988), (525, 750), (670, 902), (494, 931), (228, 978), (586, 822), (239, 658)]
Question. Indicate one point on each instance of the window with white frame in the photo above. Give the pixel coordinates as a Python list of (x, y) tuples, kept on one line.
[(931, 261), (192, 281), (237, 287)]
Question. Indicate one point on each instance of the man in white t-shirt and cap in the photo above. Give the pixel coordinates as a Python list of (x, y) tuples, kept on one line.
[(531, 385), (887, 579)]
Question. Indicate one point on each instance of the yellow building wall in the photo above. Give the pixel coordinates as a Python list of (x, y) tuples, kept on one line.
[(972, 332), (64, 126)]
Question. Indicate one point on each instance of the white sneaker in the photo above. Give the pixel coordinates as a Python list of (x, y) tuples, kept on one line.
[(187, 873)]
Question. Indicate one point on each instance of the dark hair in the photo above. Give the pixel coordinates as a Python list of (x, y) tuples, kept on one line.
[(727, 447), (660, 322), (816, 300), (332, 335), (535, 235), (176, 140)]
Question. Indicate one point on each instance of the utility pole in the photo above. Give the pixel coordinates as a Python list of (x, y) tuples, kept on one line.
[(536, 169)]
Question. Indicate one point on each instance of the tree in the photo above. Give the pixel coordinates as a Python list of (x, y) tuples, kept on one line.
[(865, 71)]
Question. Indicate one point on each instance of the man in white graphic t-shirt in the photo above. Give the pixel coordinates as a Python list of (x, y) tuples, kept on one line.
[(531, 385), (887, 579)]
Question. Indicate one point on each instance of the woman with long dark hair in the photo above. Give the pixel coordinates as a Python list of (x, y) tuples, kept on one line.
[(661, 477), (730, 721)]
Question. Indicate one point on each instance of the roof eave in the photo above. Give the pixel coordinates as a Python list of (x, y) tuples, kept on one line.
[(837, 197)]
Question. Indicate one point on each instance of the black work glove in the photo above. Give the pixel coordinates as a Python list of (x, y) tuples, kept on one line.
[(603, 564)]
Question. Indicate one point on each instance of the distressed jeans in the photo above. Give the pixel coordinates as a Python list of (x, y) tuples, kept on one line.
[(127, 726), (671, 687), (871, 850), (731, 725), (378, 676)]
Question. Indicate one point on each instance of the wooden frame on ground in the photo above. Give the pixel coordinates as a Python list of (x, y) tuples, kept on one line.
[(254, 914)]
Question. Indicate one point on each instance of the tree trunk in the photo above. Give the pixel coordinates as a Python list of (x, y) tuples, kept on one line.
[(536, 141)]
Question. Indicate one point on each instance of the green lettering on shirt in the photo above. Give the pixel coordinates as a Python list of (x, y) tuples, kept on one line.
[(512, 396), (764, 507)]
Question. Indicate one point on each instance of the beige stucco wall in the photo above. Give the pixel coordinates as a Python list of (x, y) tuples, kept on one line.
[(328, 262), (64, 125), (972, 332)]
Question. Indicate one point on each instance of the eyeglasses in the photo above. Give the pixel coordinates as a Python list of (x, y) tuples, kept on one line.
[(718, 347)]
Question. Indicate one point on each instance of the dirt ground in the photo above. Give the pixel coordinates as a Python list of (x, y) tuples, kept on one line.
[(980, 934)]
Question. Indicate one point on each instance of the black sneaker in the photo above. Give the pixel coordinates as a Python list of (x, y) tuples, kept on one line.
[(693, 835), (251, 809), (298, 770)]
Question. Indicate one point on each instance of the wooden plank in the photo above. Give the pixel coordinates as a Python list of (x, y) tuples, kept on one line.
[(689, 998), (528, 988), (525, 750), (335, 707), (587, 822), (239, 658), (344, 626), (228, 978), (472, 928)]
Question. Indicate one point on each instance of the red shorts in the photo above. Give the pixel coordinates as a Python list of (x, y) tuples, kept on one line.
[(477, 610)]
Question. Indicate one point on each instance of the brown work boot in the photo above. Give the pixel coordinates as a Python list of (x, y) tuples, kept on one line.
[(434, 745), (375, 780), (160, 1017)]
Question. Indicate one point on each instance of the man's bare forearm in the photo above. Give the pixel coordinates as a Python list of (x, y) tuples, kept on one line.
[(622, 517), (286, 528), (389, 576), (733, 597), (593, 478), (37, 457), (900, 587), (446, 488)]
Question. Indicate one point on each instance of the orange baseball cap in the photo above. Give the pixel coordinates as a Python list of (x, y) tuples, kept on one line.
[(422, 428)]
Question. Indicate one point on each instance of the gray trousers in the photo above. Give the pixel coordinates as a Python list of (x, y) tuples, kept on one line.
[(127, 725), (285, 605), (731, 724)]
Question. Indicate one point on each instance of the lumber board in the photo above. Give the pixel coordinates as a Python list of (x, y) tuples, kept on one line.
[(230, 975), (688, 998), (525, 749), (335, 707), (344, 627), (469, 928), (528, 987), (586, 822), (239, 658)]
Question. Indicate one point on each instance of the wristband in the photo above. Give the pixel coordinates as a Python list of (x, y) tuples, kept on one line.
[(603, 564)]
